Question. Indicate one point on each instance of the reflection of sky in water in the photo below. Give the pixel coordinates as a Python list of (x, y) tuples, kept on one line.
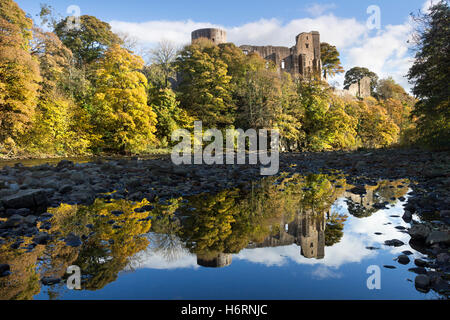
[(275, 272)]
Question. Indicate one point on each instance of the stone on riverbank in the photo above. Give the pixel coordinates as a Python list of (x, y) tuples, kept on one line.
[(438, 237), (422, 283), (30, 199), (419, 231)]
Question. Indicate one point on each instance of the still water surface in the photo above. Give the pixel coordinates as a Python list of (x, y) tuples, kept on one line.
[(300, 237)]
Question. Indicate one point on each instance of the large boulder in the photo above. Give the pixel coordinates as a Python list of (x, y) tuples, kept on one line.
[(422, 283), (438, 237), (31, 199), (419, 231)]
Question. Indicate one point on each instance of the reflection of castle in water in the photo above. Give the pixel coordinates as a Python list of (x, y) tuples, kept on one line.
[(306, 230), (219, 260)]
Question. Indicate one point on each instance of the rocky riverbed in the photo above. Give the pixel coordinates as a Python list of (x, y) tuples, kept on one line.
[(26, 193)]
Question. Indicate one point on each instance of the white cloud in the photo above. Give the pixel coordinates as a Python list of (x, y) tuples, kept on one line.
[(386, 53), (322, 273), (429, 3), (319, 9)]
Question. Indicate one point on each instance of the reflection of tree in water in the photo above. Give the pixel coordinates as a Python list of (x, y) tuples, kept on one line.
[(334, 230), (168, 246), (271, 212), (23, 283), (375, 197), (216, 225)]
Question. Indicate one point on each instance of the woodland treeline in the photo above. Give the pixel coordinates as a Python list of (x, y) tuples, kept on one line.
[(81, 91)]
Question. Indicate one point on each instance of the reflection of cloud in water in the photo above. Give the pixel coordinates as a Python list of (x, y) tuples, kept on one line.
[(164, 252), (358, 235), (323, 272), (155, 260)]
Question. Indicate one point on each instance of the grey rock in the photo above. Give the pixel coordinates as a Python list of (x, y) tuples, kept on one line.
[(78, 177), (421, 263), (445, 214), (418, 270), (48, 281), (443, 259), (30, 199), (403, 259), (65, 189), (407, 217), (64, 164), (422, 282), (42, 238), (394, 243), (390, 267), (73, 240), (438, 237), (30, 219), (12, 222), (419, 231)]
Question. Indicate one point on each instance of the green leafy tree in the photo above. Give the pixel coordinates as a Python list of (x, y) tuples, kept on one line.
[(121, 114), (89, 42), (169, 115), (331, 63), (430, 76), (354, 75)]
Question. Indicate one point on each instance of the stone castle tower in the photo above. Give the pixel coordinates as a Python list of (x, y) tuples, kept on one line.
[(217, 36), (303, 59), (307, 230)]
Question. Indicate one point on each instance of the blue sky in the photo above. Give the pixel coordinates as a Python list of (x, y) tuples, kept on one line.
[(341, 23)]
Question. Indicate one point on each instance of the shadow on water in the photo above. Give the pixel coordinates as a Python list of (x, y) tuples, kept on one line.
[(111, 236)]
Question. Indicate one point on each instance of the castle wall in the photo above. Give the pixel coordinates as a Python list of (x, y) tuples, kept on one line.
[(303, 59)]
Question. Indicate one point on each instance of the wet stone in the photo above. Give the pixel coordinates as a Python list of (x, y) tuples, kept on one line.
[(73, 240), (422, 283), (403, 259), (420, 263), (418, 270), (48, 281), (394, 243)]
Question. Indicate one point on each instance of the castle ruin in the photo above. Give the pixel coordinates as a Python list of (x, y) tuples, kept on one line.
[(217, 36), (303, 59)]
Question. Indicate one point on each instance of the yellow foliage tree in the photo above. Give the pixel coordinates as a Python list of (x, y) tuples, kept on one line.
[(123, 118), (19, 74)]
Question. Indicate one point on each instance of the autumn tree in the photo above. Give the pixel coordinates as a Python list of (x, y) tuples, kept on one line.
[(375, 128), (19, 74), (123, 118), (331, 63), (61, 126), (204, 90), (430, 76)]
